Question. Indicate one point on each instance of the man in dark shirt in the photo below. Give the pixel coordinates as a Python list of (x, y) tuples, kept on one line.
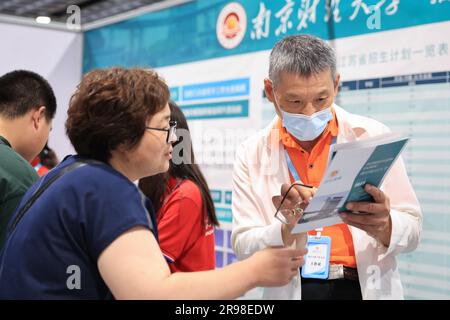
[(27, 107)]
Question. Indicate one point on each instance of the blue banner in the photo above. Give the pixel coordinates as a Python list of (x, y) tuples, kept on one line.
[(228, 197), (216, 195), (398, 81), (219, 89), (216, 110), (174, 93), (224, 214), (187, 33)]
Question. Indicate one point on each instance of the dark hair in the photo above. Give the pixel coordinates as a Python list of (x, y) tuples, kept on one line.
[(111, 107), (154, 187), (22, 91), (48, 157)]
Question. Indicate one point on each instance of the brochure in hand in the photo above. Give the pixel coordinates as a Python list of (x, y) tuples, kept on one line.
[(352, 165)]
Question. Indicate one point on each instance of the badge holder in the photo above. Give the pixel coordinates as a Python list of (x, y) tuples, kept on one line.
[(317, 260)]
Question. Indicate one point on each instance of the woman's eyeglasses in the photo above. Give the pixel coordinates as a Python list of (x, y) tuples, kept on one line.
[(171, 132)]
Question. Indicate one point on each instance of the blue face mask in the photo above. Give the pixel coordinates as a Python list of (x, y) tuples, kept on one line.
[(306, 128)]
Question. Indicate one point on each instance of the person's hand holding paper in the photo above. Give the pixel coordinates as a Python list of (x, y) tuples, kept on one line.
[(376, 221), (355, 165)]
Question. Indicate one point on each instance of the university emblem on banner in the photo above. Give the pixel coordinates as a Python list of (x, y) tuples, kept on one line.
[(231, 25)]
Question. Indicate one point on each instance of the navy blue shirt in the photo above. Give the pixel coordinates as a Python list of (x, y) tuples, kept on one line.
[(53, 252)]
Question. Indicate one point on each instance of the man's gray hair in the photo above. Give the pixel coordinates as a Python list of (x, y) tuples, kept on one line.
[(303, 55)]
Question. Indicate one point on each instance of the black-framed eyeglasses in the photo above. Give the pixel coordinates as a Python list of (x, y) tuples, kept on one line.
[(171, 132), (290, 215)]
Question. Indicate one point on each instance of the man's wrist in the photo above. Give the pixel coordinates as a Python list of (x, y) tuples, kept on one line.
[(385, 237)]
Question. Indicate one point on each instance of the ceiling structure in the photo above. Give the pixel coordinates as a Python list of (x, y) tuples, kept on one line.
[(92, 13)]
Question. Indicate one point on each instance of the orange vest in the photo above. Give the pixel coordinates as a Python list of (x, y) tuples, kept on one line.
[(311, 168)]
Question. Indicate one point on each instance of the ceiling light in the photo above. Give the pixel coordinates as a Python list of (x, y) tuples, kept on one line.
[(44, 20)]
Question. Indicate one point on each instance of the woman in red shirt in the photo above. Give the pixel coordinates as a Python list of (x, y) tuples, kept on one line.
[(185, 210)]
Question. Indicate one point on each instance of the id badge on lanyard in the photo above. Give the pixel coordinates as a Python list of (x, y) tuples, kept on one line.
[(317, 260)]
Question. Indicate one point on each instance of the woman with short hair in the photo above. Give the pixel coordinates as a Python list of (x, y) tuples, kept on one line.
[(91, 234)]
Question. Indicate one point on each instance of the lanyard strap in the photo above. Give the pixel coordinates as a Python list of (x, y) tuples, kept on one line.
[(291, 166)]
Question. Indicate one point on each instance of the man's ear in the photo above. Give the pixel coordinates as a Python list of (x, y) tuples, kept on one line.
[(270, 94), (336, 84), (268, 88), (38, 116)]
